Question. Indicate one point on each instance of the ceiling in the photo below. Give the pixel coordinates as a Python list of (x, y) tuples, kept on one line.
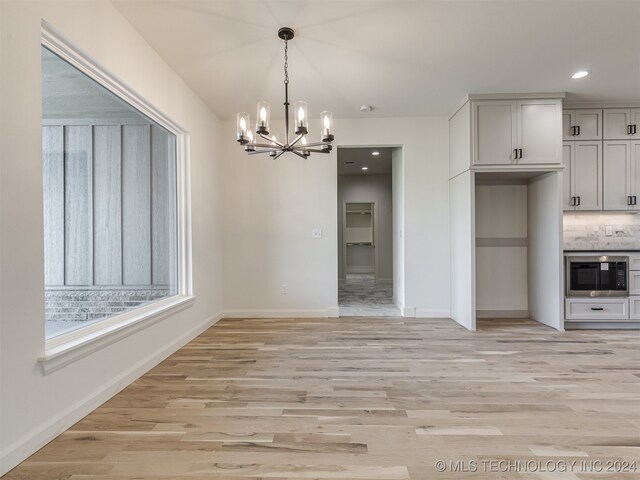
[(362, 157), (68, 93), (405, 58)]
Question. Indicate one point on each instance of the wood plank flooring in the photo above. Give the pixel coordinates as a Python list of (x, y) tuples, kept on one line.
[(366, 398)]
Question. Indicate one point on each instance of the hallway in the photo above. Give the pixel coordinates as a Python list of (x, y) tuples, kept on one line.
[(361, 296)]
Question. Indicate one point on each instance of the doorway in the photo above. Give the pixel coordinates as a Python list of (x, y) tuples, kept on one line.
[(365, 232)]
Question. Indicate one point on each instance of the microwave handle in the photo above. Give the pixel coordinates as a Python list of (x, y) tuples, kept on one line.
[(597, 309)]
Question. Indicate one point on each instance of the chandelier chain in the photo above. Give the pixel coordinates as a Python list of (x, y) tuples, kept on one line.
[(286, 61)]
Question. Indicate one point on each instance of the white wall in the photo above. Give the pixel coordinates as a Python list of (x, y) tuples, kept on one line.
[(370, 189), (34, 408), (545, 262), (397, 193), (271, 208), (463, 263)]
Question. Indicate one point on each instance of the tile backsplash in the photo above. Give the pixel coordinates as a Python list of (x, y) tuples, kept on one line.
[(588, 231)]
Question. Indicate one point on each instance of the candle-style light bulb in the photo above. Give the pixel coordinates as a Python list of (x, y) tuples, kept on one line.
[(302, 124), (241, 131), (327, 126), (263, 114), (249, 147)]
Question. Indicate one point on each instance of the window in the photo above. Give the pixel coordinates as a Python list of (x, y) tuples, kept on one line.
[(110, 202)]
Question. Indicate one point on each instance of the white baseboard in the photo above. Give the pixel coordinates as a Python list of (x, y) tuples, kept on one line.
[(502, 314), (13, 454), (409, 312), (426, 313), (310, 313)]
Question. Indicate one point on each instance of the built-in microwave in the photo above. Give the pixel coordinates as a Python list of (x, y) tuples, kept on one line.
[(597, 276)]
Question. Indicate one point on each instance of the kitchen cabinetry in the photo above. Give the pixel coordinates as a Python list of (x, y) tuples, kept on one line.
[(621, 123), (634, 287), (621, 175), (582, 124), (517, 132), (582, 175), (598, 309)]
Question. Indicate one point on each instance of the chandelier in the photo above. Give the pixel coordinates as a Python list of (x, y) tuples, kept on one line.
[(299, 144)]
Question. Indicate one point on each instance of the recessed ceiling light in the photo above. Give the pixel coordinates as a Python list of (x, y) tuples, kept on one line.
[(365, 168), (580, 74), (366, 108), (375, 153)]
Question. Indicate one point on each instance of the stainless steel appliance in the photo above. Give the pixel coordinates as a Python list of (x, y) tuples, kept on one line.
[(597, 276)]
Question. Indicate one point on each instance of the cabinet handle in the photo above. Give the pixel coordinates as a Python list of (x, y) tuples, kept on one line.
[(520, 150), (578, 127), (597, 309), (515, 154), (629, 129), (578, 201), (635, 200), (634, 129), (573, 131), (629, 200)]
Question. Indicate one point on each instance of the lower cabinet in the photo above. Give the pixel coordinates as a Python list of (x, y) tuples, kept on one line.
[(597, 309), (634, 308)]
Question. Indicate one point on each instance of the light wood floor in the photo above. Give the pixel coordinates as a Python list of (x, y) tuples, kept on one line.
[(363, 398)]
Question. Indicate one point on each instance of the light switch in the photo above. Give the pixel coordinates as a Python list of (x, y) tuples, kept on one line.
[(316, 233), (608, 231)]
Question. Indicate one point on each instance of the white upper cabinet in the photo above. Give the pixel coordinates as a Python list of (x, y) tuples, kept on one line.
[(517, 132), (495, 132), (621, 175), (586, 175), (582, 124), (635, 123), (539, 127), (621, 123), (617, 166), (634, 175)]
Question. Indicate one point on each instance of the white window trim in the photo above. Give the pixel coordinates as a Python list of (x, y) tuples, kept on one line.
[(69, 347)]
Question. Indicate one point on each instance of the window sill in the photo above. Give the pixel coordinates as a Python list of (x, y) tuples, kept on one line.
[(68, 348)]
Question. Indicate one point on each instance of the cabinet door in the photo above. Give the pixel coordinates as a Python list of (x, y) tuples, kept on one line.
[(495, 132), (615, 123), (587, 175), (616, 174), (634, 283), (589, 123), (567, 123), (634, 308), (539, 125), (634, 174), (634, 119), (567, 176)]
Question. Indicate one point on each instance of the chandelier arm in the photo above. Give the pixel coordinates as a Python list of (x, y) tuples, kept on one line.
[(299, 154), (256, 152), (281, 153), (281, 145), (298, 138), (317, 144), (259, 145), (317, 150)]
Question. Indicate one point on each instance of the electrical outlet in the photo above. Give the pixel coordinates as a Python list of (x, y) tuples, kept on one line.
[(284, 289), (316, 233), (608, 231)]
